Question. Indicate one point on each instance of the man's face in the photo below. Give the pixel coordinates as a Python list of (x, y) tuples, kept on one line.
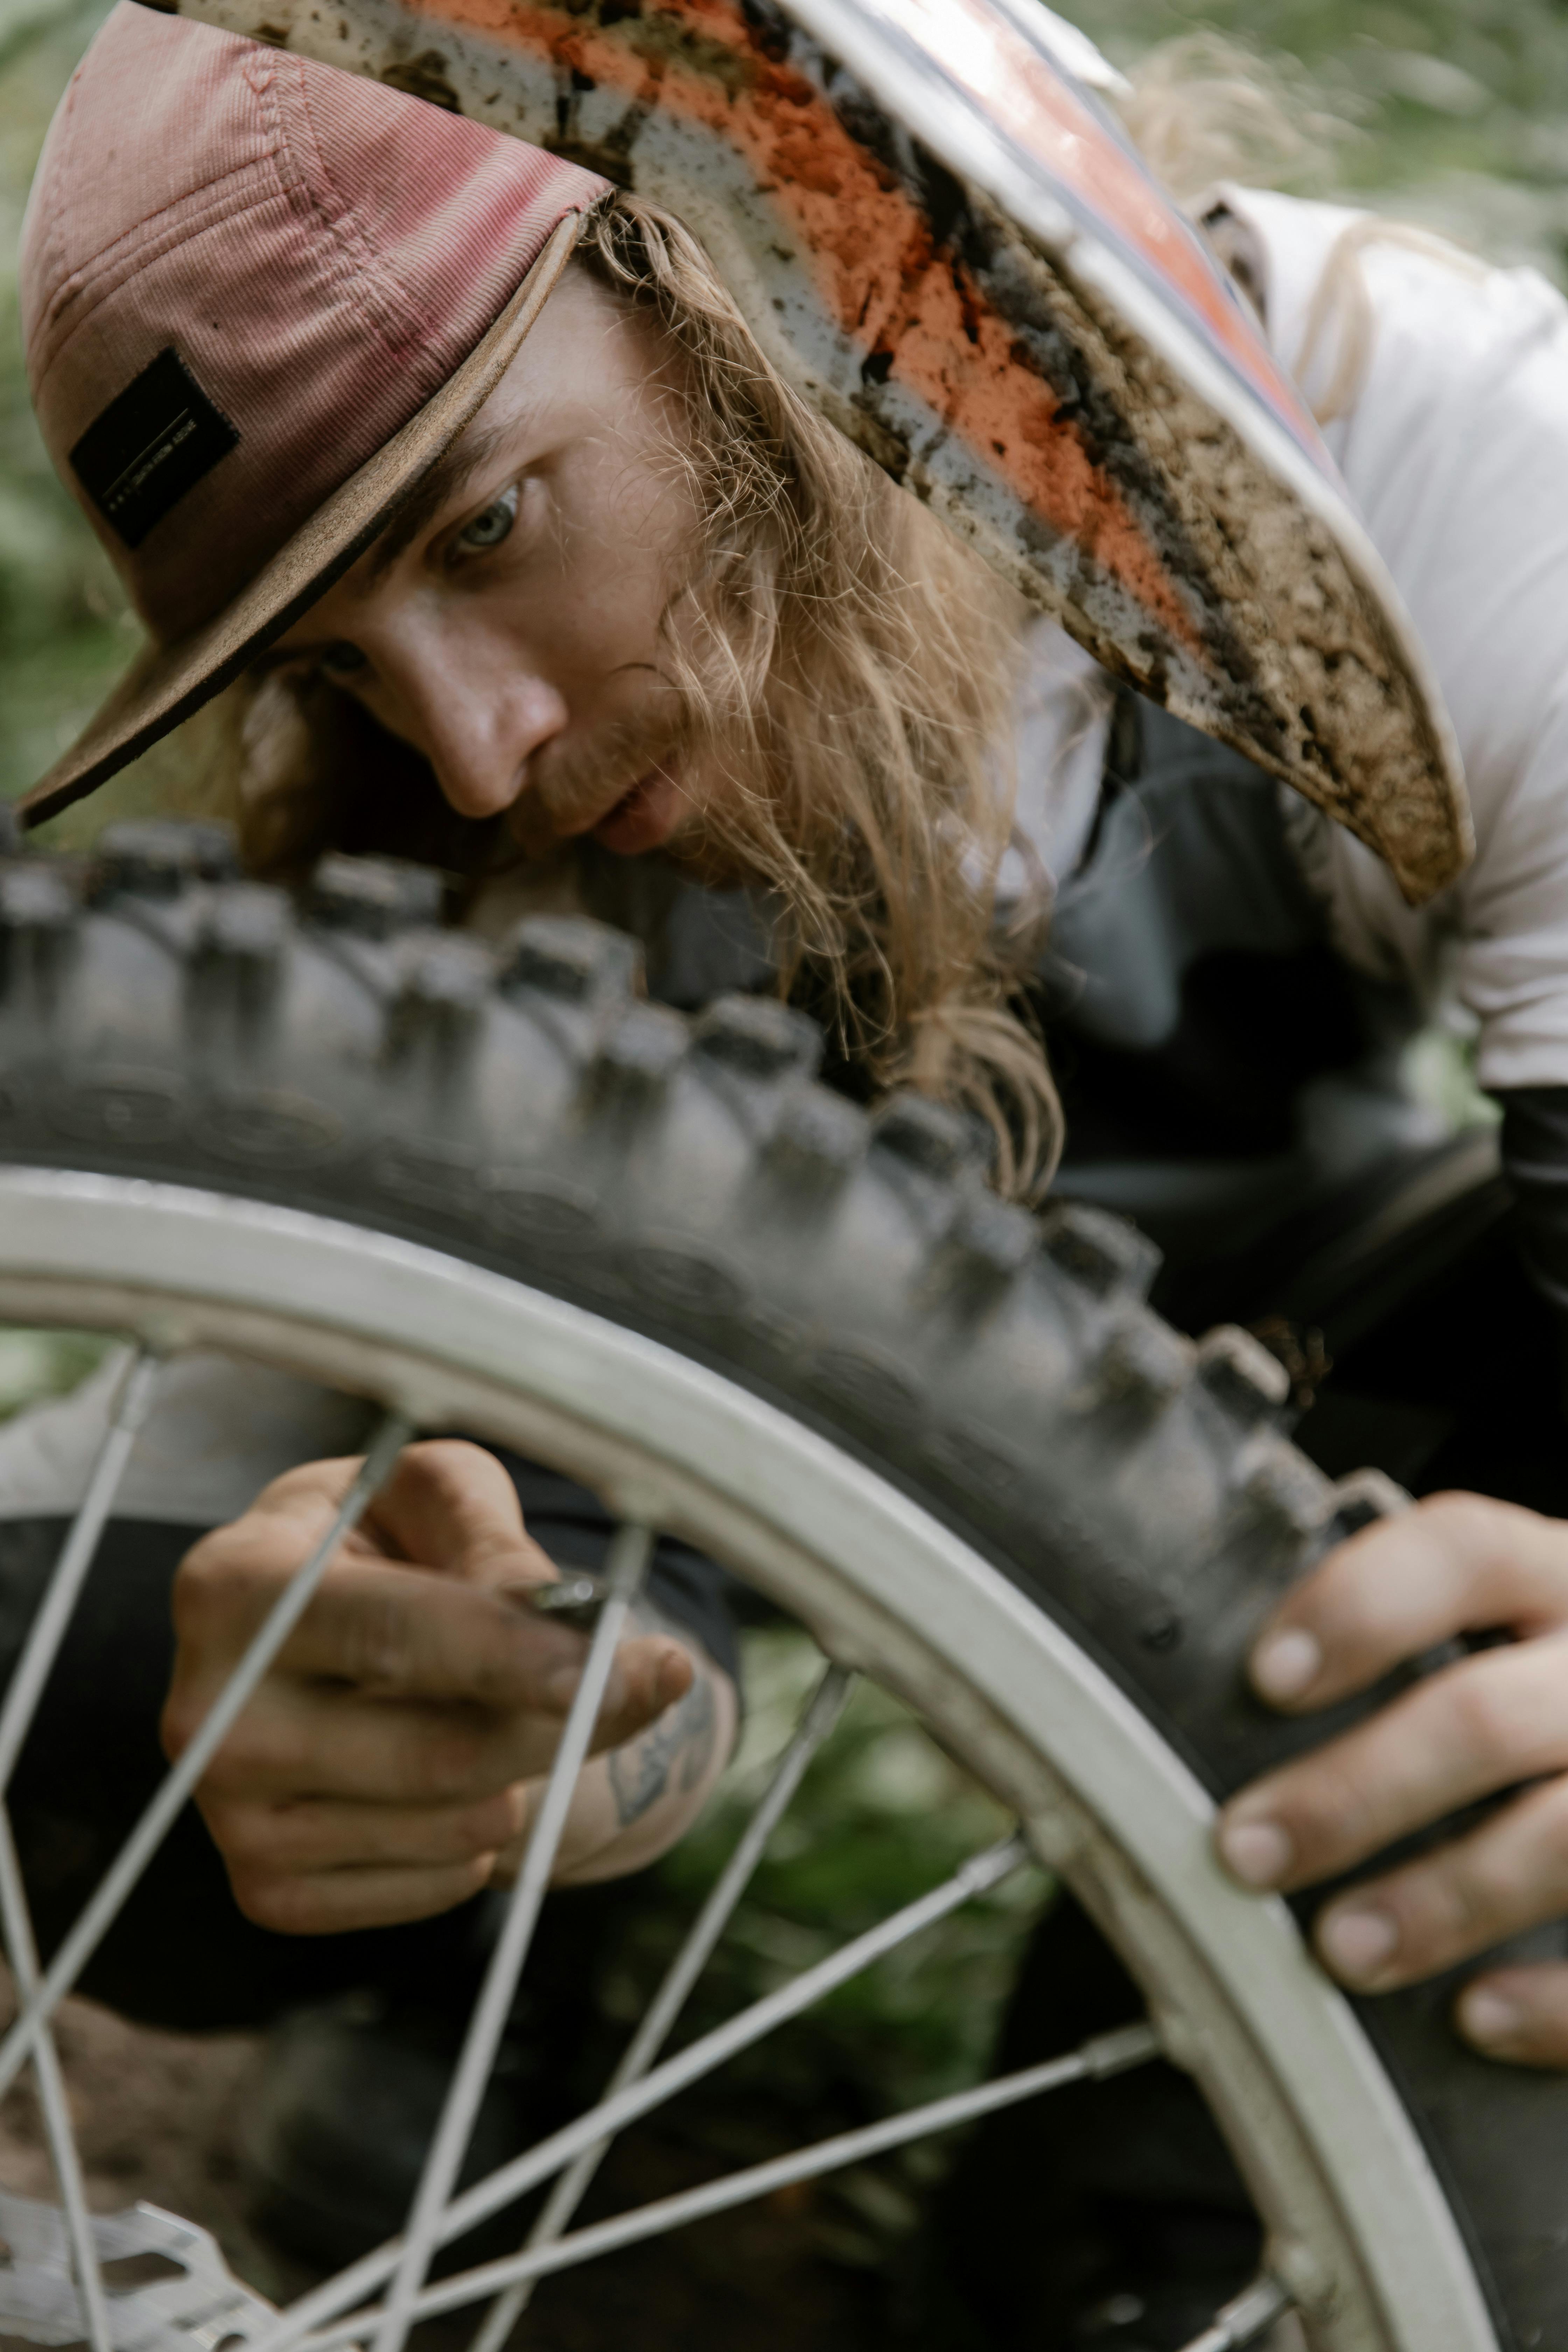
[(507, 623)]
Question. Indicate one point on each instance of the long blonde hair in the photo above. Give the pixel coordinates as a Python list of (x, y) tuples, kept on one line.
[(1204, 107), (844, 664)]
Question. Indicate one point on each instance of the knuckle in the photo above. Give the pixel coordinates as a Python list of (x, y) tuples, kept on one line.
[(484, 1827), (1480, 1717), (244, 1835), (203, 1590), (1327, 1807), (1454, 1513), (1465, 1528), (254, 1766), (1477, 1901), (177, 1724), (443, 1457), (453, 1762), (284, 1904), (1453, 1903), (475, 1842), (444, 1470), (220, 1588), (1551, 1827), (380, 1649)]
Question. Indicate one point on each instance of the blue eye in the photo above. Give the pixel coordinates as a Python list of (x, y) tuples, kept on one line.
[(488, 528), (340, 660)]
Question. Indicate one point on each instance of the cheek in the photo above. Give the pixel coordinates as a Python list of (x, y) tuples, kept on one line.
[(628, 560)]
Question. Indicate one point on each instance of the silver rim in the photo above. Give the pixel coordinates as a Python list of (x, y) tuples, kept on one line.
[(1361, 2238)]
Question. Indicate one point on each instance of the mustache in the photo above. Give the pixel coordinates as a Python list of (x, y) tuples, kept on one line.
[(583, 784)]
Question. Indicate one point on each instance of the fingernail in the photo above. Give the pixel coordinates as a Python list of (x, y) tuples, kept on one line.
[(1285, 1665), (1358, 1941), (1258, 1852), (1491, 2018), (561, 1684)]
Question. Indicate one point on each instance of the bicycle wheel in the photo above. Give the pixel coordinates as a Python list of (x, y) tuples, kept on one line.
[(502, 1193)]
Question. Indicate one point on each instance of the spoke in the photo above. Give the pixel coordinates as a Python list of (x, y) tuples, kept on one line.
[(177, 1784), (47, 1629), (1241, 2323), (823, 1711), (1108, 2054), (513, 2180), (629, 1554), (25, 1687), (22, 1951)]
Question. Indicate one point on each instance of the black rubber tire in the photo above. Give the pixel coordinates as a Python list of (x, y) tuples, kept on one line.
[(528, 1110)]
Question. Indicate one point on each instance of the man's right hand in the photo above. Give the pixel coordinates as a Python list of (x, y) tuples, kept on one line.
[(1490, 1723), (394, 1749)]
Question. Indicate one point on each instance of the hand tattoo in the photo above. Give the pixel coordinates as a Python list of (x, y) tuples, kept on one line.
[(684, 1736)]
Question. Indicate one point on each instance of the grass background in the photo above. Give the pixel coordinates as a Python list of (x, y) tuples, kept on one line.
[(1452, 112)]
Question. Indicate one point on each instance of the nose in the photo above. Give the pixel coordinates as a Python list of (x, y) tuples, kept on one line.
[(476, 709)]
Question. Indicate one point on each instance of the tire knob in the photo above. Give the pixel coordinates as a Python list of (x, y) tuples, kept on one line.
[(373, 897), (759, 1038), (637, 1057), (239, 952), (572, 960), (1240, 1374), (157, 857), (988, 1244), (444, 983), (1102, 1252), (1145, 1364), (925, 1135), (39, 909), (818, 1141)]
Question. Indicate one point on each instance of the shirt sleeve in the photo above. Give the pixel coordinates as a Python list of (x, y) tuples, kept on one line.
[(573, 1526), (1455, 446)]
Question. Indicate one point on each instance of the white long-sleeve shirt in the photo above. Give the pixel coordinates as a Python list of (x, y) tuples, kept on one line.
[(1454, 442)]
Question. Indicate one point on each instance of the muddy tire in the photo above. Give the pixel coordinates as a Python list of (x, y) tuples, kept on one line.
[(528, 1111)]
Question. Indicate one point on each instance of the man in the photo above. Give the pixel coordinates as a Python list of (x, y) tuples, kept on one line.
[(568, 638)]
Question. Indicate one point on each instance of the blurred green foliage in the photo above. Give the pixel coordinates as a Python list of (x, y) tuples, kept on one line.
[(1453, 113), (881, 1817), (62, 630)]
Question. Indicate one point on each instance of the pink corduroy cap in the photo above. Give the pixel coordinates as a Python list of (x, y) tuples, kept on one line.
[(260, 297)]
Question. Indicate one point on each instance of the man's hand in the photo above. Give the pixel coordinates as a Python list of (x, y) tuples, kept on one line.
[(1454, 1564), (388, 1766)]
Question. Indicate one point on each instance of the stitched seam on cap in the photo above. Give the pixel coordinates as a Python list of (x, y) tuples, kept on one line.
[(293, 185), (355, 269), (383, 279), (86, 316), (49, 256), (147, 242)]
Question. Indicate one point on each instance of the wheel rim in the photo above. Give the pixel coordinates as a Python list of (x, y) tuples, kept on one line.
[(1360, 2232)]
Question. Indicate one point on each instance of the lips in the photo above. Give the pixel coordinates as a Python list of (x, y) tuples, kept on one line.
[(642, 819)]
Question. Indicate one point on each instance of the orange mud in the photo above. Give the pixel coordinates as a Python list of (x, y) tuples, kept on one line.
[(871, 253), (1047, 120)]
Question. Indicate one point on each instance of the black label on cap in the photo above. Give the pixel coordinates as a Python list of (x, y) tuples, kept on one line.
[(153, 443)]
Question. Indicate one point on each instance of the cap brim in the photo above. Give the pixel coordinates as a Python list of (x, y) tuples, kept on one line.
[(166, 684)]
